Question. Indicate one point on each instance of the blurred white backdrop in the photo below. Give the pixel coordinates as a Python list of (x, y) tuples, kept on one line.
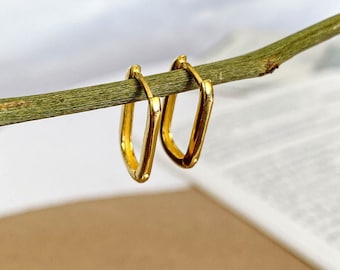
[(57, 45), (54, 45)]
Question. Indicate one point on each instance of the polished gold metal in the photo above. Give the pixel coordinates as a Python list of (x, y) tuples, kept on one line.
[(140, 171), (205, 103)]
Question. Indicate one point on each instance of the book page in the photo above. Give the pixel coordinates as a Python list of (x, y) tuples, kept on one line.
[(272, 153)]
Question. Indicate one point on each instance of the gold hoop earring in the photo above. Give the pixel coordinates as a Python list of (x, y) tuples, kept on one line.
[(190, 158), (140, 171)]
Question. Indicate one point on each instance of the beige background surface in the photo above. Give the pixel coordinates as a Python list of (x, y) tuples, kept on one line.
[(175, 230)]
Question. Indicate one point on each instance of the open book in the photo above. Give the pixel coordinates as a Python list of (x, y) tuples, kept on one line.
[(272, 153)]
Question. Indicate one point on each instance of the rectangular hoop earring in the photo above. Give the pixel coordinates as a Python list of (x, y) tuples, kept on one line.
[(140, 171), (205, 103)]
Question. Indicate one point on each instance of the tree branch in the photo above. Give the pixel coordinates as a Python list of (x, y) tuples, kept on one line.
[(253, 64)]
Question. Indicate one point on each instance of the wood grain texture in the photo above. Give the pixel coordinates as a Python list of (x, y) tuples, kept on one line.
[(254, 64)]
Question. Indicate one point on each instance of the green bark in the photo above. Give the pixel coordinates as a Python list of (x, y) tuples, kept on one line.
[(253, 64)]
